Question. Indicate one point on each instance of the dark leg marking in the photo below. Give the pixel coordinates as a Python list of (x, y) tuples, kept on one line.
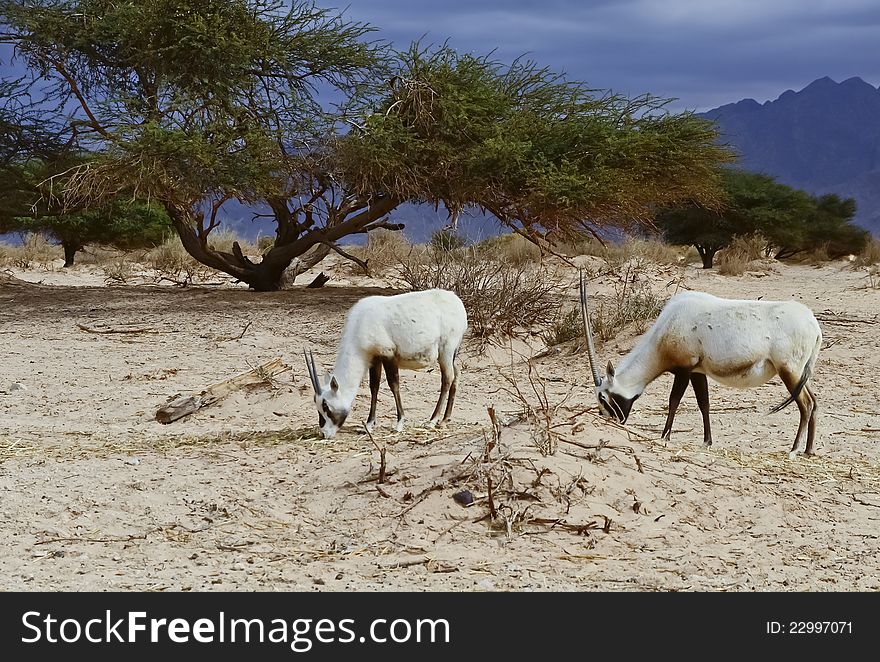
[(701, 389), (678, 388), (445, 382), (804, 404), (393, 377), (375, 380), (811, 428), (452, 388)]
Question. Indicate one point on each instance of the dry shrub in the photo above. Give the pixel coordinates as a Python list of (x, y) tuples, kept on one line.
[(383, 250), (118, 271), (869, 256), (34, 251), (264, 243), (171, 262), (512, 248), (567, 326), (873, 277), (818, 255), (632, 248), (633, 304), (734, 259), (222, 241), (100, 256), (586, 245), (502, 300)]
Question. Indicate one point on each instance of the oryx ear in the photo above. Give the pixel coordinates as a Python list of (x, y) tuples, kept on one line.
[(609, 371), (334, 385)]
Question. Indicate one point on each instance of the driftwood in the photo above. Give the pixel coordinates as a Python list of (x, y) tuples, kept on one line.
[(186, 405)]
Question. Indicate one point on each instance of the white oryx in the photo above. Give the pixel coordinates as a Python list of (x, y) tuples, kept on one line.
[(412, 331), (741, 343)]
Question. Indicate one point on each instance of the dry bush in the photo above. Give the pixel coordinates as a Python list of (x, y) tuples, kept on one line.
[(567, 326), (118, 271), (511, 248), (222, 241), (631, 249), (536, 406), (818, 255), (652, 250), (869, 256), (264, 243), (383, 250), (691, 256), (171, 262), (34, 251), (502, 300), (734, 259), (100, 256), (634, 305)]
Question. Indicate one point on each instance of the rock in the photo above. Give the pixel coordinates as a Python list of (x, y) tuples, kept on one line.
[(133, 461), (17, 386), (465, 498)]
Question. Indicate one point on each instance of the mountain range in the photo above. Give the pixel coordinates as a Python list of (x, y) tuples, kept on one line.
[(824, 138)]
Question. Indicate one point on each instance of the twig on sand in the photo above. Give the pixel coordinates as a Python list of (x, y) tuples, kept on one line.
[(602, 446), (381, 478), (145, 329)]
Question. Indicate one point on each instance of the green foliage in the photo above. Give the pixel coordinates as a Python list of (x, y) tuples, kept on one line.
[(190, 98), (790, 220), (123, 224), (526, 144)]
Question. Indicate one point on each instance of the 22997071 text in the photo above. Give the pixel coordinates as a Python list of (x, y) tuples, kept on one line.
[(809, 627)]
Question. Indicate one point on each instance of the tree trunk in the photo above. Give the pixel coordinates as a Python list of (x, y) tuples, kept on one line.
[(267, 275), (70, 249), (707, 255)]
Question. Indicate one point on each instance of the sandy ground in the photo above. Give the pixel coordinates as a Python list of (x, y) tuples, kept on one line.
[(242, 495)]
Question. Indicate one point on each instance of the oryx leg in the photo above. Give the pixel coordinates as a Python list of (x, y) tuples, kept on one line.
[(678, 388), (804, 404), (811, 427), (452, 388), (701, 390), (392, 375), (447, 377), (375, 380)]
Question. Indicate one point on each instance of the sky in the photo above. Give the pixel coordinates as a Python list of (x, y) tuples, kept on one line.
[(704, 53)]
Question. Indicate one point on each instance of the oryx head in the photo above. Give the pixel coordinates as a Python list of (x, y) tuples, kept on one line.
[(614, 402), (332, 411)]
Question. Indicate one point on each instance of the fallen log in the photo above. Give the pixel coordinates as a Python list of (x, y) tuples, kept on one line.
[(186, 405)]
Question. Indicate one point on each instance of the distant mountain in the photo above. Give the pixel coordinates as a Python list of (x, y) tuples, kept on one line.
[(823, 139)]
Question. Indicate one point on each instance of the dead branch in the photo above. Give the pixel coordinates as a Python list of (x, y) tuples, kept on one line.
[(146, 329), (381, 478), (186, 405)]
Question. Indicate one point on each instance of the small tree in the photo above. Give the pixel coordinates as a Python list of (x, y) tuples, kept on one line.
[(790, 220), (123, 224)]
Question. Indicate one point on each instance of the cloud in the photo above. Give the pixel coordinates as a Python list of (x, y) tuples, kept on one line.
[(702, 52)]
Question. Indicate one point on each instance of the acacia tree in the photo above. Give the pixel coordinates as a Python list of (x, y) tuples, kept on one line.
[(790, 220), (196, 102)]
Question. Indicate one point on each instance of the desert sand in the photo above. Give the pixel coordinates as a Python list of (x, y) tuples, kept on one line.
[(244, 495)]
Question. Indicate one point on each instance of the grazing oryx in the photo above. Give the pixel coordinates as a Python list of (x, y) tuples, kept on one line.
[(410, 331), (735, 342)]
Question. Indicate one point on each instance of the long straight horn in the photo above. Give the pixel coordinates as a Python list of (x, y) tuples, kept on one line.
[(313, 375), (588, 329)]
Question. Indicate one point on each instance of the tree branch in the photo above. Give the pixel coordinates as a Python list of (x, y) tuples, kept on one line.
[(348, 256)]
